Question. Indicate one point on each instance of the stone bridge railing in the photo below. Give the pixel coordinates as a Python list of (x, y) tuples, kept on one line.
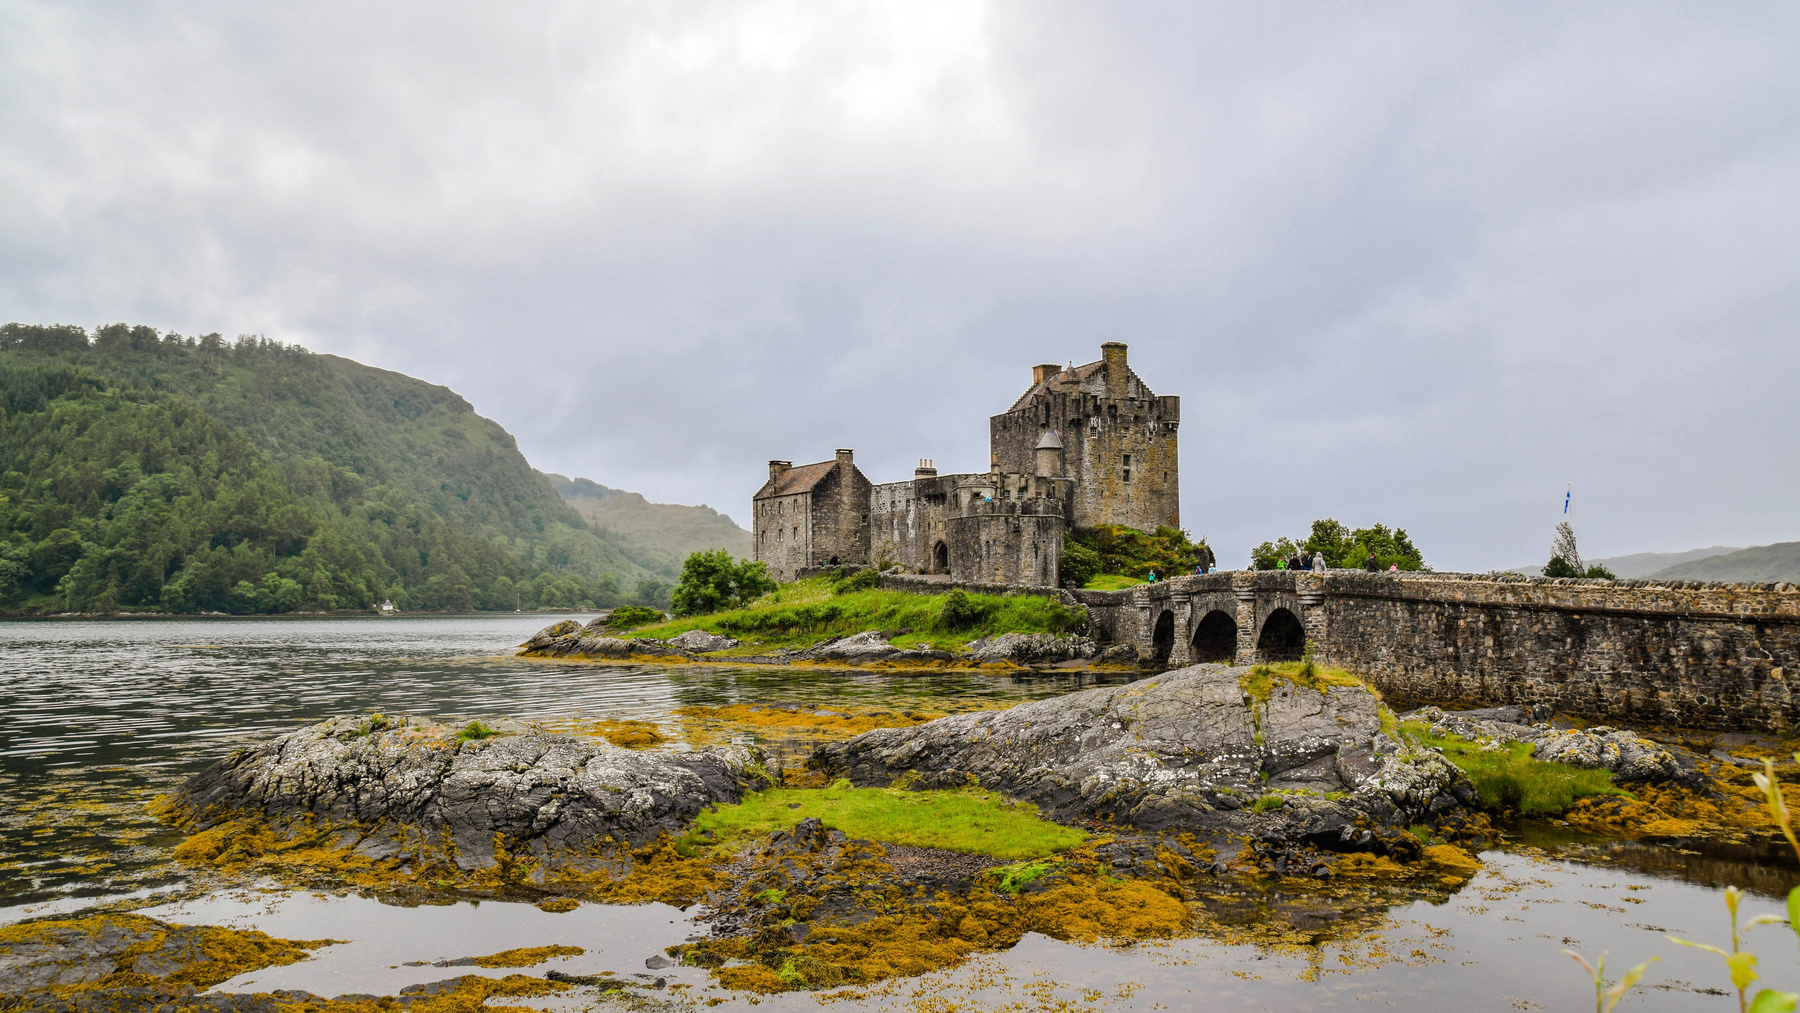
[(1636, 653)]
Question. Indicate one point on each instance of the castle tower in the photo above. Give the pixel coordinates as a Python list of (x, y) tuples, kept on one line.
[(1118, 441)]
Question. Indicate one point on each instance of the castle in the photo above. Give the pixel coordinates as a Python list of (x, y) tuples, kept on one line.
[(1082, 447)]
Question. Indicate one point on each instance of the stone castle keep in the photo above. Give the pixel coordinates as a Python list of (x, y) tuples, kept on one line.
[(1083, 446)]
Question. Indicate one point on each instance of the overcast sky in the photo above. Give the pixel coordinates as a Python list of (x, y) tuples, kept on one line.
[(1423, 265)]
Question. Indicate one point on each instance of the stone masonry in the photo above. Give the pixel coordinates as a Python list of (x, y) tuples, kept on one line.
[(1638, 653), (1083, 446)]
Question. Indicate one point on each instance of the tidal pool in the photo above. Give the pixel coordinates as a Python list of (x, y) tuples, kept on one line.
[(103, 715)]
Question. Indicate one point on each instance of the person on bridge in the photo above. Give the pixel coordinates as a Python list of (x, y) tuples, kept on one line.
[(1295, 562), (1372, 564), (1318, 562)]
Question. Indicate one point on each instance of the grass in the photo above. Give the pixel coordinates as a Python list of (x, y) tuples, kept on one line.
[(1259, 682), (1110, 582), (1509, 778), (475, 731), (809, 612), (970, 820)]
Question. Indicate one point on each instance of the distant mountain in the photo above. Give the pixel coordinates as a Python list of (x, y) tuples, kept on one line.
[(1780, 561), (1640, 564), (674, 529), (148, 471)]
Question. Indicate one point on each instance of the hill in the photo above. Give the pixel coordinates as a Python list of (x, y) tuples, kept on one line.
[(1638, 565), (155, 472), (677, 530), (1780, 561)]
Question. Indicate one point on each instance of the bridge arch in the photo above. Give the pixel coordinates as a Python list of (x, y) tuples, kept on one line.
[(1282, 637), (1215, 638), (1162, 641)]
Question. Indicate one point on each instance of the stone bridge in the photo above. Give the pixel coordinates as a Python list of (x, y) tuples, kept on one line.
[(1635, 653)]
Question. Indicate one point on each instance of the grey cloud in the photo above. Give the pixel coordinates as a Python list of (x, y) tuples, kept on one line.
[(1418, 264)]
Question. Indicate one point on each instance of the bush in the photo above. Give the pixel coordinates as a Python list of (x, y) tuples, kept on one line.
[(961, 611), (1079, 563), (1559, 567), (711, 582), (1133, 553), (626, 617), (861, 580)]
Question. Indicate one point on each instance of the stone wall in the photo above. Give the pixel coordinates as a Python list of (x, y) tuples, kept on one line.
[(1627, 652)]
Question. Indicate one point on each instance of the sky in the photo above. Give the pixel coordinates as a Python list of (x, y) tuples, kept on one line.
[(1428, 265)]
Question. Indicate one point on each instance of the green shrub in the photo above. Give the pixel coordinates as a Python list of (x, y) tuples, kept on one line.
[(1134, 553), (626, 617), (960, 610), (1079, 563), (861, 580)]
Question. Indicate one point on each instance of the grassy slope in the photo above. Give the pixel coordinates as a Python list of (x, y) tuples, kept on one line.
[(1780, 561), (806, 612), (674, 530)]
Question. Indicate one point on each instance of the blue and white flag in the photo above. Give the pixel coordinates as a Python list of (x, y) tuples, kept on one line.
[(1566, 496)]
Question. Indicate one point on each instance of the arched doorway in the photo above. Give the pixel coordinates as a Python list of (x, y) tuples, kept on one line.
[(1162, 642), (1215, 639), (940, 558), (1282, 639)]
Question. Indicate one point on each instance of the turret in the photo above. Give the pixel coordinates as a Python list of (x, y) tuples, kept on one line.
[(1049, 455)]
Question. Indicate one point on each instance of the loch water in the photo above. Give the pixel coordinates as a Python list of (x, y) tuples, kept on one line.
[(101, 716)]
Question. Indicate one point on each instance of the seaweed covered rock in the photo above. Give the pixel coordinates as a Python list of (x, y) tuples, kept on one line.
[(397, 782), (1631, 758), (1186, 750)]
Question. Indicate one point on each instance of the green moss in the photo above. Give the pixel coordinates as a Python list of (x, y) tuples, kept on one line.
[(810, 612), (1111, 582), (1260, 682), (969, 820), (1267, 802), (1508, 778)]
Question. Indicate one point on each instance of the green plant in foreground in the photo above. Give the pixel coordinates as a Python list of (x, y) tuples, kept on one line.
[(1740, 963), (475, 731), (1606, 998)]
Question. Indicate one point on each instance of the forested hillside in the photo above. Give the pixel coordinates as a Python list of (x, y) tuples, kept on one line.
[(141, 471), (676, 529)]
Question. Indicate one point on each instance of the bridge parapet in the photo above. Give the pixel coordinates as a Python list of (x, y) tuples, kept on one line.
[(1690, 653)]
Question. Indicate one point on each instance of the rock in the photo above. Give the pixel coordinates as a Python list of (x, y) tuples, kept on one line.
[(1631, 758), (701, 642), (869, 645), (554, 632), (549, 795), (1183, 750), (1118, 654), (1031, 649)]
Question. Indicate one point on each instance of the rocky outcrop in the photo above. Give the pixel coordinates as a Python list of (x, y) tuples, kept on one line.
[(1033, 649), (1189, 749), (1631, 758), (411, 780), (702, 642)]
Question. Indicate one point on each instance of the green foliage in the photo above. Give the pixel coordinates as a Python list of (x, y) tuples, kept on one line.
[(861, 580), (1266, 803), (653, 593), (1343, 548), (1133, 553), (1012, 878), (153, 472), (1560, 567), (961, 610), (712, 581), (475, 731), (1080, 563), (627, 616), (1110, 582), (1508, 778), (968, 820), (1597, 572), (808, 612)]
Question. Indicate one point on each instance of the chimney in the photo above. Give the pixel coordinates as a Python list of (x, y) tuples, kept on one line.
[(845, 457), (1041, 373), (1117, 375), (925, 469), (777, 467)]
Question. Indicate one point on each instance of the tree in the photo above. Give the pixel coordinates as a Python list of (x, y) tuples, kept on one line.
[(711, 582), (1563, 551), (1344, 548), (1079, 563)]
